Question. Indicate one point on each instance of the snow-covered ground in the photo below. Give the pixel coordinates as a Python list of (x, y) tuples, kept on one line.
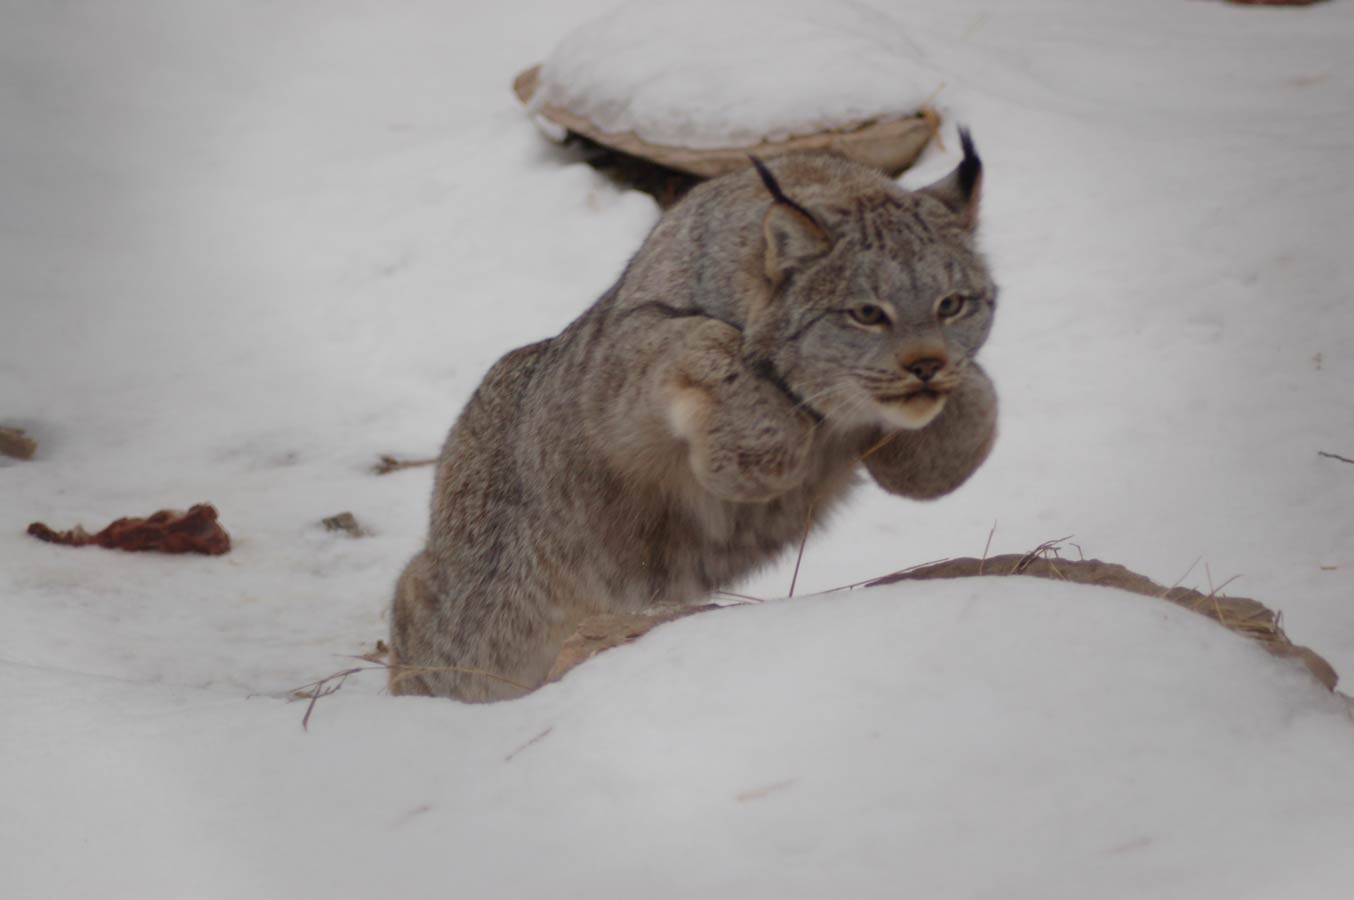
[(247, 247)]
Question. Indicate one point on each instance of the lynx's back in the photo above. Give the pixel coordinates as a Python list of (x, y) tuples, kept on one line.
[(775, 327)]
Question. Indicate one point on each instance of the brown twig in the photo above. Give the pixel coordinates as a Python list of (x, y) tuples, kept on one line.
[(323, 688), (376, 654), (1334, 456), (390, 464)]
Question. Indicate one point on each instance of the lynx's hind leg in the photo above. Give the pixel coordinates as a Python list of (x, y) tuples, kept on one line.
[(410, 599), (468, 645)]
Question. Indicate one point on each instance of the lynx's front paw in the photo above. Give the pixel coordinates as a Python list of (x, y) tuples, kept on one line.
[(932, 461), (751, 466), (747, 443)]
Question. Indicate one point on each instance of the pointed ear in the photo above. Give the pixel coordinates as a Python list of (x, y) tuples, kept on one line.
[(960, 190), (792, 235)]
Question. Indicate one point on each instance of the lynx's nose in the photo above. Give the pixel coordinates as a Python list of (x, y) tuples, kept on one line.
[(926, 367)]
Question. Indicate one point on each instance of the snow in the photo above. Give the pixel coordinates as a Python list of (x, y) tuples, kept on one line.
[(947, 737), (732, 73), (246, 248)]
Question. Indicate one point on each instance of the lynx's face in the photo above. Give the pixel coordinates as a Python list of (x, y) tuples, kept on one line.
[(879, 302), (880, 335)]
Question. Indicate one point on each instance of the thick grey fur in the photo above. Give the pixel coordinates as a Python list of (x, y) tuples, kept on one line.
[(679, 434)]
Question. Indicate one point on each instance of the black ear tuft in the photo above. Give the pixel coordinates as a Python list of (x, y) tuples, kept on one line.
[(793, 235), (971, 166), (777, 194), (960, 191), (769, 180)]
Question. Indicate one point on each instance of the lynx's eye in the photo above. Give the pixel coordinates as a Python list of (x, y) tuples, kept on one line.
[(950, 305), (869, 315)]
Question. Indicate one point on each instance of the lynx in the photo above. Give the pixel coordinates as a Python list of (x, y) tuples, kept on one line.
[(779, 329)]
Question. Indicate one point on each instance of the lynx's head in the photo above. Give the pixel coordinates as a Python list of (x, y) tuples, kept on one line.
[(877, 299)]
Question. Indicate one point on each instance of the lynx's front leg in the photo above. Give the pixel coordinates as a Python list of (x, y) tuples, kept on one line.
[(932, 461), (746, 440)]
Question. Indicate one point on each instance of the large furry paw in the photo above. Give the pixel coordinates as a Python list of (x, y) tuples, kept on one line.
[(932, 461), (747, 441), (752, 464)]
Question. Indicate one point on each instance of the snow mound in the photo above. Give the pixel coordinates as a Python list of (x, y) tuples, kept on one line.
[(1052, 739), (723, 73)]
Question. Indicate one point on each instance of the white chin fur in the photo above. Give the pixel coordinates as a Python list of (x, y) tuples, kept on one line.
[(912, 414)]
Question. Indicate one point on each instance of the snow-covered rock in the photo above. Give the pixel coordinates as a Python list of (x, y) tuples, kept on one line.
[(731, 73)]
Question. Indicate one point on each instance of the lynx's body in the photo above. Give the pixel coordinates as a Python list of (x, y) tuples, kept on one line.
[(770, 333)]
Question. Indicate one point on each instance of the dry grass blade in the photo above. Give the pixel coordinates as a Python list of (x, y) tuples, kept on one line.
[(1212, 599), (1045, 550), (987, 546), (799, 558), (1175, 584), (879, 445), (539, 737), (746, 598), (892, 576)]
